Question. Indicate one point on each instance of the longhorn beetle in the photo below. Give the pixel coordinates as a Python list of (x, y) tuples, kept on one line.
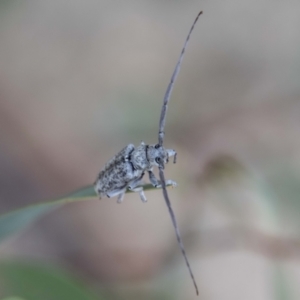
[(126, 169)]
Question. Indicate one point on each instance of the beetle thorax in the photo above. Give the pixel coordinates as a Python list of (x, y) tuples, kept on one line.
[(139, 158)]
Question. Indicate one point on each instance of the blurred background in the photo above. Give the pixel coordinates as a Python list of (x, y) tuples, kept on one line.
[(80, 80)]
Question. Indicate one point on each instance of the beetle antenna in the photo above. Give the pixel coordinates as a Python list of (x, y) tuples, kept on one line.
[(168, 202), (168, 93)]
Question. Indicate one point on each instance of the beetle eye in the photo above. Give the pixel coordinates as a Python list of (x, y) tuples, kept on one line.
[(157, 159), (156, 146)]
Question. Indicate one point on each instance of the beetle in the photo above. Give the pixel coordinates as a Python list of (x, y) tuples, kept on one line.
[(127, 168)]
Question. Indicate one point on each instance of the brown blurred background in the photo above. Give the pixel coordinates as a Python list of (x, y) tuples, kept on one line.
[(79, 80)]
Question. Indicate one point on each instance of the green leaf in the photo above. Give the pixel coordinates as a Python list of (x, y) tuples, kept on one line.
[(35, 282), (13, 298), (16, 220)]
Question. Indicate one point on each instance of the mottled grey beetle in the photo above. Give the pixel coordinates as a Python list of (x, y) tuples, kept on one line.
[(126, 169)]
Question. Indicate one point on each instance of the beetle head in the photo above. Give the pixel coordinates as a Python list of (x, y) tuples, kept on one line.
[(159, 156)]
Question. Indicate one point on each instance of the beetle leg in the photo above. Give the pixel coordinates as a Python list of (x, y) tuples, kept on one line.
[(156, 183), (117, 192), (140, 190)]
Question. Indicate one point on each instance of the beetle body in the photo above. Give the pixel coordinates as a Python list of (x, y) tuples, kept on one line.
[(126, 170)]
